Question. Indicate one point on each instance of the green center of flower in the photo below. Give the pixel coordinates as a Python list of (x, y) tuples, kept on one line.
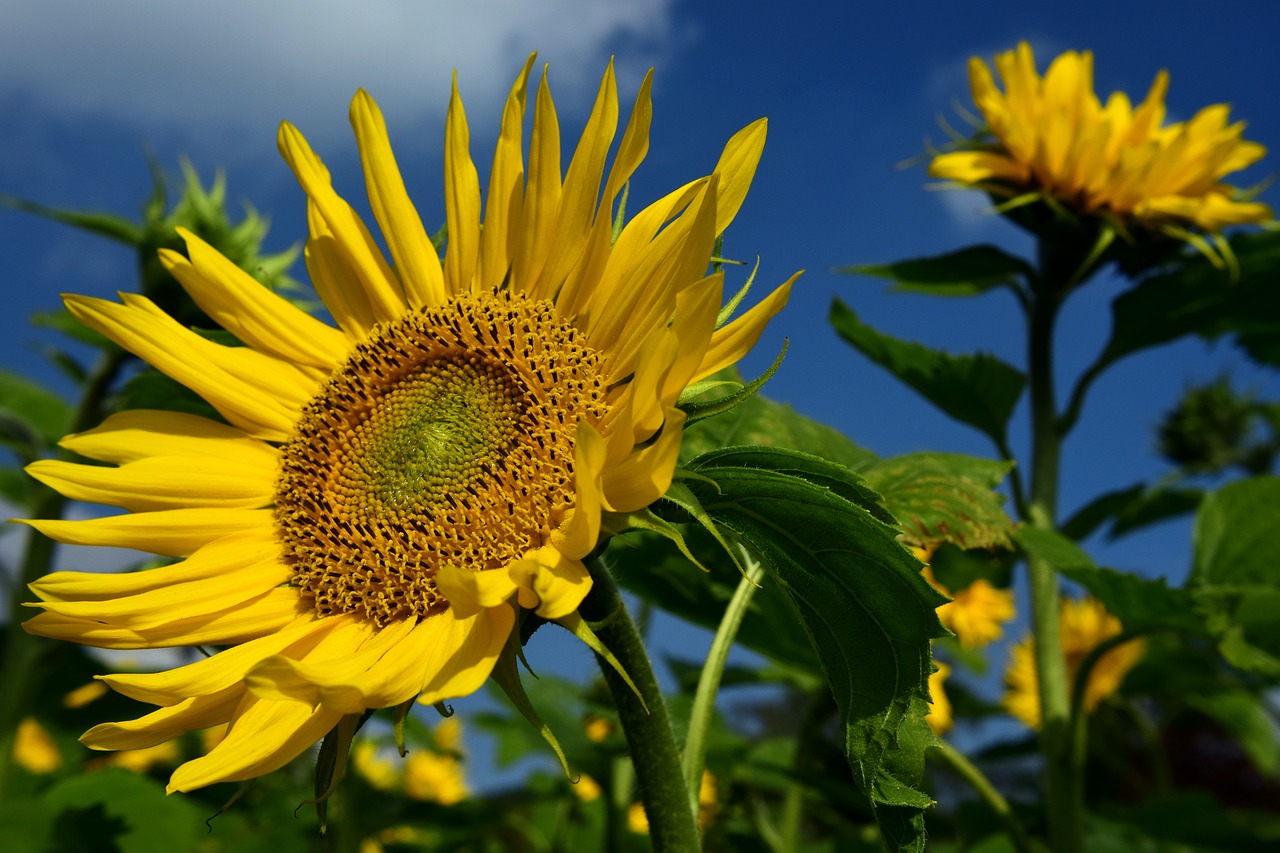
[(446, 438)]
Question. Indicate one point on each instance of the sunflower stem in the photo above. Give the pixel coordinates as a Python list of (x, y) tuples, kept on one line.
[(1065, 805), (704, 699), (967, 770), (650, 738), (22, 670)]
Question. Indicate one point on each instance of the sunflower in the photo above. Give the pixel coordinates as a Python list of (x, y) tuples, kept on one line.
[(940, 718), (1053, 137), (1085, 624), (977, 613), (383, 496)]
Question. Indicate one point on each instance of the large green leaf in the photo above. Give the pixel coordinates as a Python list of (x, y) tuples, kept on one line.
[(944, 497), (762, 421), (979, 390), (967, 272), (1234, 576), (1130, 509), (860, 596), (1198, 298)]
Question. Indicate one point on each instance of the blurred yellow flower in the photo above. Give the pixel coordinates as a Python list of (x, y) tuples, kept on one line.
[(708, 806), (34, 749), (977, 613), (1052, 136), (140, 760), (1085, 624), (598, 728), (940, 719), (586, 789), (434, 776)]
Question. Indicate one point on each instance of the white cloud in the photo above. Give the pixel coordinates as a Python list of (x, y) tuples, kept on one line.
[(240, 63)]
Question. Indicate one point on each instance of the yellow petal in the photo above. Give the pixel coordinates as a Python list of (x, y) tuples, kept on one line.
[(407, 239), (736, 168), (356, 244), (141, 433), (503, 209), (558, 583), (243, 306), (159, 483), (576, 537), (733, 341), (261, 395), (469, 591), (215, 673), (197, 712), (457, 655), (542, 195), (646, 474), (261, 616), (461, 200), (172, 532), (264, 736)]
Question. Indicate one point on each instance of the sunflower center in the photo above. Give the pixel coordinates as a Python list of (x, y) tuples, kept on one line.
[(446, 438)]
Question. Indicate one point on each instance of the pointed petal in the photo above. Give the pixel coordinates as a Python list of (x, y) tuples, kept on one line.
[(736, 168), (240, 304), (172, 532), (461, 200), (459, 656), (733, 341), (356, 244), (577, 535), (141, 433), (159, 483), (197, 712), (646, 474), (542, 195), (407, 239), (503, 209)]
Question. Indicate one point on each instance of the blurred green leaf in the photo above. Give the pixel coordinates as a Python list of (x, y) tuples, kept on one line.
[(967, 272), (1244, 715), (151, 389), (944, 497), (133, 807), (979, 390), (1233, 574), (867, 609), (103, 224), (30, 416), (1131, 509)]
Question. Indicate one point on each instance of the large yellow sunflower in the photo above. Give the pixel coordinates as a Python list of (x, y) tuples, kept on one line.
[(385, 493), (1053, 136)]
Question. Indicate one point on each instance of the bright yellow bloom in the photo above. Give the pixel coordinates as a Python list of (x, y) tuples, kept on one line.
[(386, 492), (1085, 624), (975, 614), (34, 749), (1053, 136), (939, 719)]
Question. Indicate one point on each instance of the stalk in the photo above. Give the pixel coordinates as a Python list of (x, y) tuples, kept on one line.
[(651, 740)]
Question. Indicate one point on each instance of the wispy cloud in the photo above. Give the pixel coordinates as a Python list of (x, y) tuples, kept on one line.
[(156, 64)]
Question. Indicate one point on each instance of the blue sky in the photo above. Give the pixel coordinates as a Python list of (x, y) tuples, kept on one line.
[(851, 90)]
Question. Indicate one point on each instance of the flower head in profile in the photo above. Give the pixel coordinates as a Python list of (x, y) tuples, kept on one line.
[(1085, 624), (1051, 136), (382, 497)]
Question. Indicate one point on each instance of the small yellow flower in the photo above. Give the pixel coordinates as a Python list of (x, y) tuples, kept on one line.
[(598, 728), (1085, 624), (383, 494), (977, 613), (34, 749), (376, 767), (1051, 135), (940, 719), (708, 807), (586, 789)]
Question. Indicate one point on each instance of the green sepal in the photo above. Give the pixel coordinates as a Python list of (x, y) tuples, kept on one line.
[(397, 724), (235, 798), (576, 625), (682, 496), (732, 305), (645, 519), (331, 764), (507, 675), (695, 412)]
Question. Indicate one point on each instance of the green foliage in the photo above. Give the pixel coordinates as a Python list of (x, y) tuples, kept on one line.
[(967, 272), (868, 612), (978, 390)]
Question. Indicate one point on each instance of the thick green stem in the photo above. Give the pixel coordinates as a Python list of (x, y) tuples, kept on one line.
[(673, 824), (967, 770), (1065, 807), (22, 672)]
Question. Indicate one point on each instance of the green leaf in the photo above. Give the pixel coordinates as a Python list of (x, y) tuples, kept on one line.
[(31, 415), (979, 390), (1233, 573), (967, 272), (1244, 715), (133, 808), (759, 420), (1131, 509), (103, 224), (860, 596), (944, 497)]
